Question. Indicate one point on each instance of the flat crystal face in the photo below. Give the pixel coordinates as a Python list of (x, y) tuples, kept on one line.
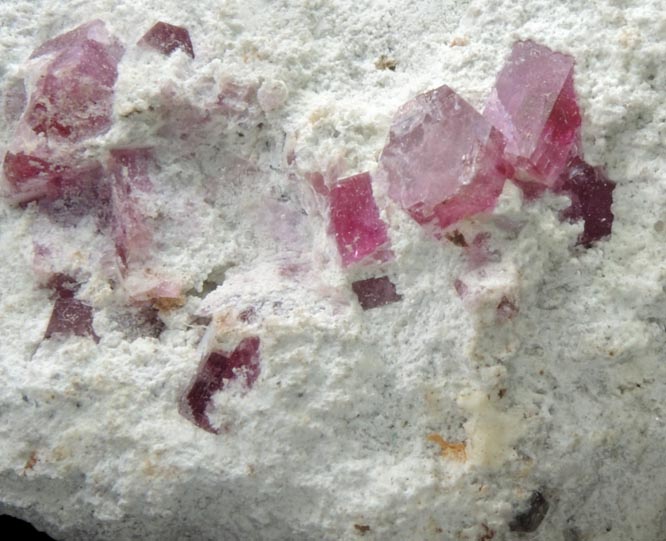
[(443, 160), (359, 231), (166, 38)]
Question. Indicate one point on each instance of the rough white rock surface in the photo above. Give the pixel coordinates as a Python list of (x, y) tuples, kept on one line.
[(332, 442)]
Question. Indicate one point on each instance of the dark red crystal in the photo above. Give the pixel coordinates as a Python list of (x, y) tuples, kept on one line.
[(591, 193), (218, 368), (166, 38), (375, 292)]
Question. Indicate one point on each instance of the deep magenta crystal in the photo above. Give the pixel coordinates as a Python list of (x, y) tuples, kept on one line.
[(534, 105), (375, 292), (591, 193), (166, 38), (359, 231), (443, 160), (217, 369)]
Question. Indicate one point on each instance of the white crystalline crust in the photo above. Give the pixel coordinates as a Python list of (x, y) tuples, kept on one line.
[(566, 397)]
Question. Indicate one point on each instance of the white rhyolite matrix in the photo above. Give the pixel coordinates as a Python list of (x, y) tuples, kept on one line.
[(556, 402)]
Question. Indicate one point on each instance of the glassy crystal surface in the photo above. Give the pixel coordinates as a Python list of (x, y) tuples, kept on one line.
[(166, 38), (443, 160), (375, 292), (534, 105), (359, 231), (218, 368)]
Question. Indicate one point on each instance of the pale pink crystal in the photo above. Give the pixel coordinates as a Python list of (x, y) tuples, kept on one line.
[(534, 105), (166, 38), (218, 368), (359, 231), (129, 171), (443, 160)]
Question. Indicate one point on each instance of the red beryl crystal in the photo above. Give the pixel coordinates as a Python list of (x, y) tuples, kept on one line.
[(359, 231), (218, 368), (129, 175), (74, 97), (591, 193), (70, 316), (534, 105), (375, 292), (166, 38), (443, 160)]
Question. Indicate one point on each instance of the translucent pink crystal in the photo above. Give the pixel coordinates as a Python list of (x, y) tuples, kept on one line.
[(74, 98), (129, 171), (359, 231), (375, 292), (591, 193), (534, 105), (70, 316), (443, 160), (218, 368), (166, 38), (72, 101)]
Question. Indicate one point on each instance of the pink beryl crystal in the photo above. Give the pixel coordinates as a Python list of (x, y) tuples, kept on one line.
[(359, 231), (534, 105), (166, 38), (217, 369), (375, 292), (70, 316), (443, 160), (71, 101), (129, 172), (591, 194)]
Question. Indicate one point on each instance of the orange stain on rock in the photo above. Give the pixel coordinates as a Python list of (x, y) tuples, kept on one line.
[(453, 450)]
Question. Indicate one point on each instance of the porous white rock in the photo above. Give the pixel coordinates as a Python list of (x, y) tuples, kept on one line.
[(561, 396)]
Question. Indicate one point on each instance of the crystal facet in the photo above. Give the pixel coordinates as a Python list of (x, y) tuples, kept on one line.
[(129, 171), (359, 231), (218, 368), (534, 105), (166, 38), (375, 292), (443, 160)]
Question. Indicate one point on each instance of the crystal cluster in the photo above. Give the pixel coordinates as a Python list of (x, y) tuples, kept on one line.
[(444, 161)]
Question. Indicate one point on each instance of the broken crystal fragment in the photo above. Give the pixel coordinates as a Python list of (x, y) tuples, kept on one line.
[(166, 38), (443, 160), (217, 369), (591, 193), (375, 292), (129, 171), (534, 105), (70, 316), (359, 231)]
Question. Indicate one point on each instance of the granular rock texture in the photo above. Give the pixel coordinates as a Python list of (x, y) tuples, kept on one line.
[(333, 270)]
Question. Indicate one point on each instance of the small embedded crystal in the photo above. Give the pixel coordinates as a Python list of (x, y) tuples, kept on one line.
[(218, 368), (591, 193), (534, 105), (375, 292), (443, 160), (70, 316), (166, 38), (359, 231), (129, 172)]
